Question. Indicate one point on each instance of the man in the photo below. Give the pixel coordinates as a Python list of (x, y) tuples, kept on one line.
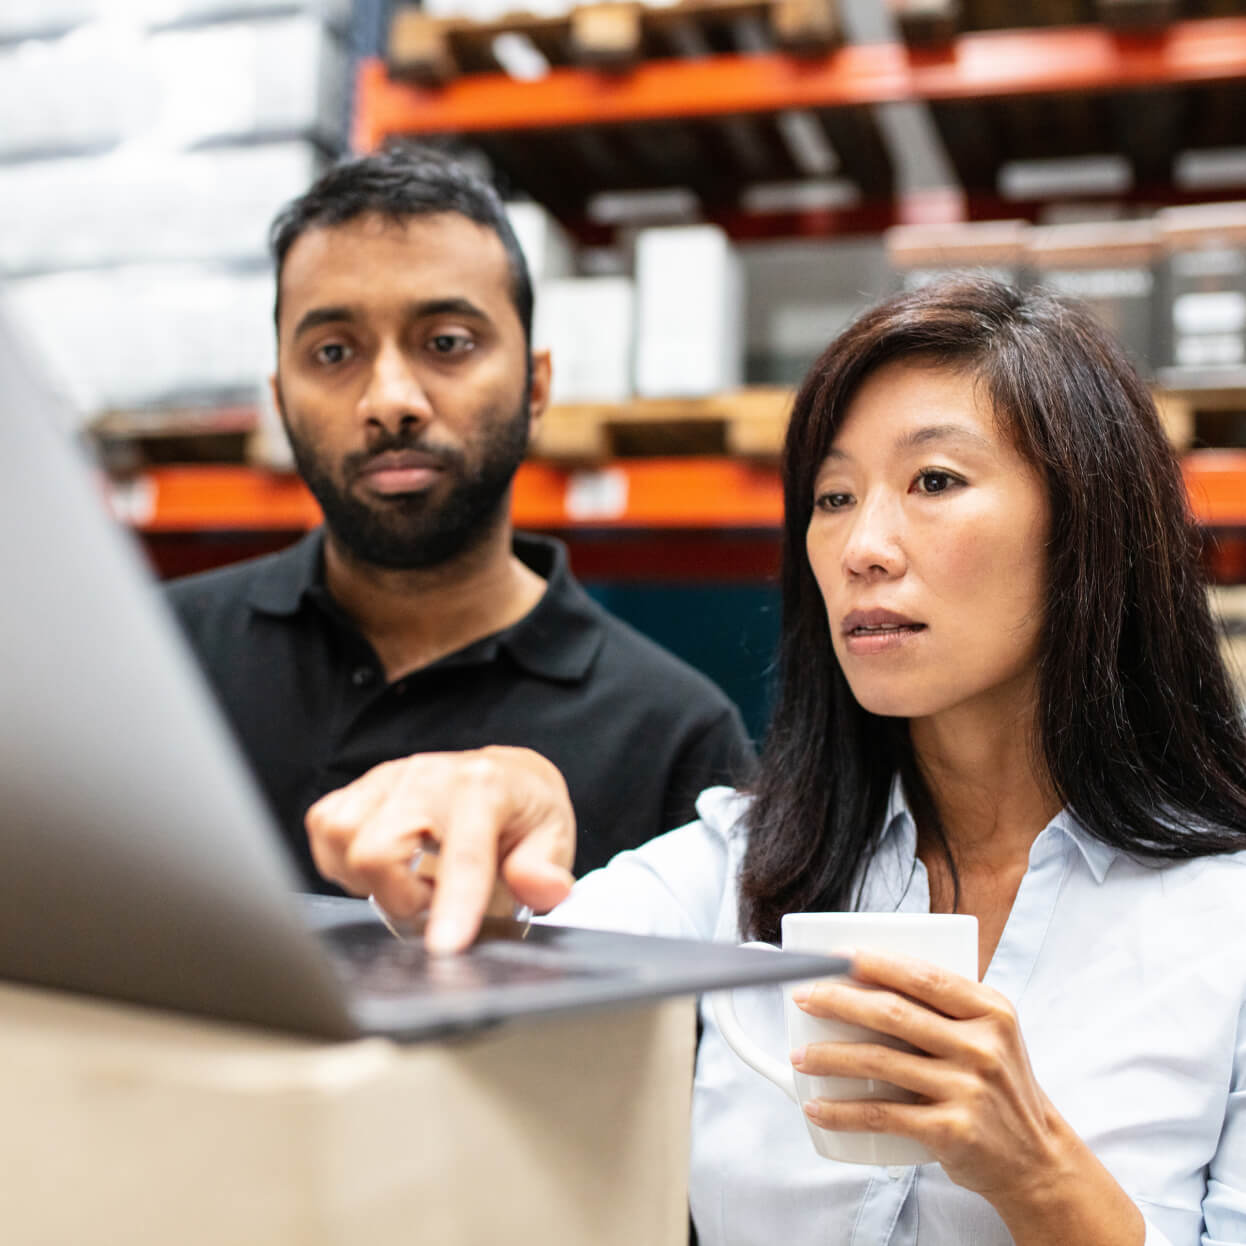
[(416, 619)]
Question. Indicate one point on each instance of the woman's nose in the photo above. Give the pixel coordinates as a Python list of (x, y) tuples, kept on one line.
[(874, 547)]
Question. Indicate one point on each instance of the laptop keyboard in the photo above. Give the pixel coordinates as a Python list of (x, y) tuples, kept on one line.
[(380, 965)]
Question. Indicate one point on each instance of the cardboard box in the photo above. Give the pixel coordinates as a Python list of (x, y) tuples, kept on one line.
[(284, 77), (920, 254), (176, 334), (1203, 328), (689, 312), (22, 19), (587, 325), (545, 244), (133, 1128), (125, 207), (78, 93), (1110, 266)]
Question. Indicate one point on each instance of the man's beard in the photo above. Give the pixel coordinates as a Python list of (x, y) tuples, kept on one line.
[(416, 531)]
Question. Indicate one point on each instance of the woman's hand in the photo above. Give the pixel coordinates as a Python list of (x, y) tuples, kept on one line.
[(979, 1107), (493, 813)]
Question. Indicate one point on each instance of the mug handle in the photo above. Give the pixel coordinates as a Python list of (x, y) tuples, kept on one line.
[(722, 1005)]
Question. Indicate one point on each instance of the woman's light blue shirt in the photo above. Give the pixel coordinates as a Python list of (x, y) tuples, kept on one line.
[(1129, 980)]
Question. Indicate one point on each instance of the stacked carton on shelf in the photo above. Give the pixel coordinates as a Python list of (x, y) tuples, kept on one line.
[(144, 147), (689, 312), (586, 323), (921, 253), (1108, 265), (1203, 326)]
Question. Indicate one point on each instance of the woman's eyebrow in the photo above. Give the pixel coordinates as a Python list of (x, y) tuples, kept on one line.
[(943, 432), (930, 433)]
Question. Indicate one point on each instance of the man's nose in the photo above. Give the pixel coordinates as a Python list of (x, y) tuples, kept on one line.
[(394, 395)]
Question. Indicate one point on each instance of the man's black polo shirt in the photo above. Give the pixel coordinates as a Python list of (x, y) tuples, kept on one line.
[(636, 732)]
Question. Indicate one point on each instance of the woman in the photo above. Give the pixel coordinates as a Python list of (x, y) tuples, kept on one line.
[(1000, 694)]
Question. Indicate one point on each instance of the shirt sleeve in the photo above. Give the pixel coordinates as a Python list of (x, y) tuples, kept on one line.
[(1224, 1207), (672, 886)]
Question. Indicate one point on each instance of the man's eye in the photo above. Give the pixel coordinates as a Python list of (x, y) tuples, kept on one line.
[(331, 353), (450, 343)]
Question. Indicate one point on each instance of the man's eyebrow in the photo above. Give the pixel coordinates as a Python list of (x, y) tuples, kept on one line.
[(420, 310), (322, 315), (446, 307)]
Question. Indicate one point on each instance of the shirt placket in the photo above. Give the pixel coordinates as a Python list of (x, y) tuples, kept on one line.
[(1026, 929), (887, 1215)]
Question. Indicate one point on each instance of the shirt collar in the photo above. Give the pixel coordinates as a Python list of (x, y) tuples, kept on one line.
[(562, 634), (289, 576), (558, 639), (899, 835)]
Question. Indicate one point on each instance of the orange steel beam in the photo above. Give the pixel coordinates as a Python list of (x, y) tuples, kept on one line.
[(689, 493), (639, 493), (1216, 483), (982, 64)]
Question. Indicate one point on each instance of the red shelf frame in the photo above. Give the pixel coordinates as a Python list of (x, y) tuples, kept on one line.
[(983, 64), (692, 494)]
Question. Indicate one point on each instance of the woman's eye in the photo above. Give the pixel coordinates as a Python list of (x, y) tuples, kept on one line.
[(833, 501), (331, 353), (930, 482)]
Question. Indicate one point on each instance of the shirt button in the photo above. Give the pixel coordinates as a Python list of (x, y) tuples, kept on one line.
[(896, 1172), (362, 675)]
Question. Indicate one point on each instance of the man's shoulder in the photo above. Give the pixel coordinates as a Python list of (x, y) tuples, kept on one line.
[(227, 588), (629, 654)]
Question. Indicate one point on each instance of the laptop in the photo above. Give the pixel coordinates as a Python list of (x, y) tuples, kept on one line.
[(138, 861)]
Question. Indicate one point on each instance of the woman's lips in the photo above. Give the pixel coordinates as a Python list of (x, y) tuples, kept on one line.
[(879, 631)]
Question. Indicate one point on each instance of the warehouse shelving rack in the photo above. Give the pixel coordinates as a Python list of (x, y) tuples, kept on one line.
[(994, 93)]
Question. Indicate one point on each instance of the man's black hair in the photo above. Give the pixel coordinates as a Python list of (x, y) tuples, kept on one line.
[(400, 182)]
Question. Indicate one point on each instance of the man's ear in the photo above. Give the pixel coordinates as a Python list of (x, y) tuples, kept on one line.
[(274, 388), (538, 394)]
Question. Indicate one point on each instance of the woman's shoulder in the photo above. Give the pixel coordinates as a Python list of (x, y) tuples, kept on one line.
[(676, 884), (723, 811), (1209, 889)]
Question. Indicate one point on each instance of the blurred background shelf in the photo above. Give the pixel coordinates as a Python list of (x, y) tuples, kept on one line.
[(1136, 115), (706, 192)]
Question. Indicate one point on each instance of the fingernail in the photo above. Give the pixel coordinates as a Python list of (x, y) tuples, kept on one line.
[(444, 937), (801, 995), (798, 1056), (812, 1110)]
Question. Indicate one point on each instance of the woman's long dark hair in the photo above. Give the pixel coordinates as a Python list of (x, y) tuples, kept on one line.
[(1138, 725)]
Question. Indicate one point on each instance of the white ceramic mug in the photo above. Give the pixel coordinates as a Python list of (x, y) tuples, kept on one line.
[(949, 940)]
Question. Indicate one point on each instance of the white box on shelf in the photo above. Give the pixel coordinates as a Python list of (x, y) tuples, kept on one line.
[(22, 19), (131, 206), (546, 245), (283, 76), (167, 11), (587, 324), (79, 92), (151, 335), (689, 312)]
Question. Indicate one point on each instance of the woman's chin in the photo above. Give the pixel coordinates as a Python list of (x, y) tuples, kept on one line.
[(898, 702)]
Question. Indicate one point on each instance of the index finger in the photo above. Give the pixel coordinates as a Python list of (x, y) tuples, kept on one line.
[(949, 993), (466, 871)]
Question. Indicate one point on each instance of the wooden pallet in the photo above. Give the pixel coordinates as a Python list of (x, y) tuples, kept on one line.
[(933, 22), (611, 35), (748, 423)]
